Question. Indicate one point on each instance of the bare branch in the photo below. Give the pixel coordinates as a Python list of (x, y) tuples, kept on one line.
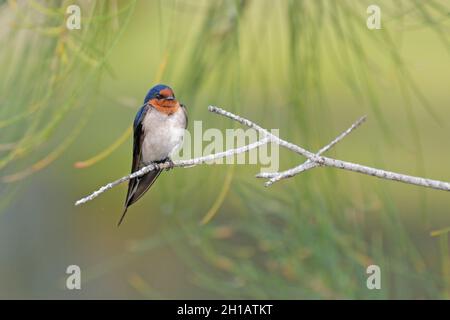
[(330, 162), (313, 160), (166, 165), (308, 164)]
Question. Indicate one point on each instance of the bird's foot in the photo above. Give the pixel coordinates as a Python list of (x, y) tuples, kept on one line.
[(168, 164), (171, 165)]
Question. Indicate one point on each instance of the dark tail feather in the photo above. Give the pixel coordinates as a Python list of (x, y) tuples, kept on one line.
[(123, 216), (136, 189)]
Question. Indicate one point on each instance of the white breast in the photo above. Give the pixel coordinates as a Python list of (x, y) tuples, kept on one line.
[(163, 134)]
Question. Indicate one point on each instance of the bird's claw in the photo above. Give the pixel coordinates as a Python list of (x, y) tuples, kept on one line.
[(171, 165)]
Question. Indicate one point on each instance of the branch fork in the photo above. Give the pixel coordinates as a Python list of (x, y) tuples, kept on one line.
[(313, 160)]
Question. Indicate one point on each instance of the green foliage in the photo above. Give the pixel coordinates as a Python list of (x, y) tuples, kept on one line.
[(278, 64)]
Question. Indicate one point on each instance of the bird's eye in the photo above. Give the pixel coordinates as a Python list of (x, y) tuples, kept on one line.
[(158, 96)]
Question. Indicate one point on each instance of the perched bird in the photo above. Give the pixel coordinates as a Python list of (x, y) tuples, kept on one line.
[(158, 133)]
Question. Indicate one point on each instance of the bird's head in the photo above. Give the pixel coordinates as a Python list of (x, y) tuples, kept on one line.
[(162, 98)]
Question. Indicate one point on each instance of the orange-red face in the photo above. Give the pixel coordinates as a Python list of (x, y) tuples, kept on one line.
[(164, 101)]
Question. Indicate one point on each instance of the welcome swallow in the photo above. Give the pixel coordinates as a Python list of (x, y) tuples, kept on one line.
[(158, 133)]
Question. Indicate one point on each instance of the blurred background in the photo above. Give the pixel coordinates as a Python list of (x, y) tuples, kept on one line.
[(310, 68)]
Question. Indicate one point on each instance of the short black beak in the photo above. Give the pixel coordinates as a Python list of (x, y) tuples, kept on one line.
[(170, 98)]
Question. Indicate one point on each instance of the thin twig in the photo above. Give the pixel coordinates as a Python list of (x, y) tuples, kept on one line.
[(308, 164), (180, 163), (330, 162), (314, 160)]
